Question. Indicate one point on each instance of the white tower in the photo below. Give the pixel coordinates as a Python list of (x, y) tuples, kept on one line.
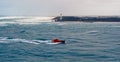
[(60, 16)]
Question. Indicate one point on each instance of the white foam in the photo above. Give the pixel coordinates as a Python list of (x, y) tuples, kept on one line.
[(53, 43), (25, 20), (12, 17), (36, 19), (7, 40), (92, 31)]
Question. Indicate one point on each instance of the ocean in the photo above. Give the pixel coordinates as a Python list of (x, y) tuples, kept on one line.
[(28, 39)]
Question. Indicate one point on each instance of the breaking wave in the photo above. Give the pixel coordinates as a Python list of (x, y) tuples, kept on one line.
[(24, 20)]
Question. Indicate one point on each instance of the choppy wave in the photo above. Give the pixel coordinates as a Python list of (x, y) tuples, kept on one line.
[(18, 40), (95, 42), (92, 32)]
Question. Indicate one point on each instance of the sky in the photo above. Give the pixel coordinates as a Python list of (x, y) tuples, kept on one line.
[(55, 7)]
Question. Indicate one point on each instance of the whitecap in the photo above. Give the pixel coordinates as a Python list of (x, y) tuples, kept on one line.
[(25, 20), (92, 32)]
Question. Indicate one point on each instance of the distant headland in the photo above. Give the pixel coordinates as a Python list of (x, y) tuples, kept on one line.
[(87, 18)]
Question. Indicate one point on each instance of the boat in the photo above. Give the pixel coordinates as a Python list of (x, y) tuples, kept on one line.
[(58, 41)]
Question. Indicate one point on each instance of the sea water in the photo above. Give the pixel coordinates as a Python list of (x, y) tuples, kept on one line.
[(85, 42)]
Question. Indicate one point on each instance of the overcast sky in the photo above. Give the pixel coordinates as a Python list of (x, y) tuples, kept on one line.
[(55, 7)]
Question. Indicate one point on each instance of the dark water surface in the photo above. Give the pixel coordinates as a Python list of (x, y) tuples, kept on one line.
[(85, 42)]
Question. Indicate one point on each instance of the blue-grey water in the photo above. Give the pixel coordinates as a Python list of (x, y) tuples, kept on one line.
[(85, 42)]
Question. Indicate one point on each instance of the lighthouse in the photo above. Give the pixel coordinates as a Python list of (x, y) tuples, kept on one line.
[(60, 16)]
